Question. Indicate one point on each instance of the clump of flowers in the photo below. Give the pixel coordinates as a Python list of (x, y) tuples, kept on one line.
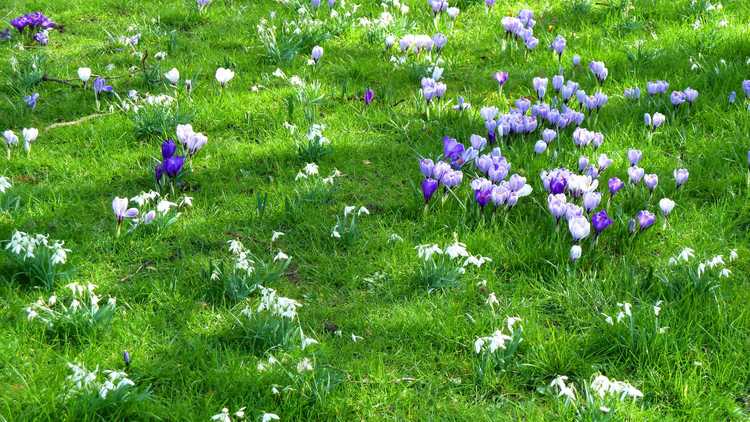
[(169, 169), (496, 350), (247, 271), (96, 391), (40, 259), (314, 145), (703, 276), (346, 229), (81, 315), (443, 267), (225, 415), (603, 397), (164, 214), (8, 200), (635, 328), (521, 28), (315, 188), (35, 26)]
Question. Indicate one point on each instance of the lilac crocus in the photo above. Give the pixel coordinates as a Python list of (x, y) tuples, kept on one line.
[(501, 77), (690, 95), (461, 104), (599, 70), (575, 252), (439, 41), (579, 228), (452, 178), (600, 221), (632, 93), (483, 194), (540, 146), (583, 162), (635, 174), (548, 135), (369, 96), (452, 148), (558, 46), (614, 185), (677, 98), (746, 87), (31, 100), (100, 85), (576, 60), (557, 205), (604, 162), (732, 97), (540, 86), (121, 210), (634, 156), (126, 358), (429, 186), (651, 180), (557, 82), (317, 53), (645, 219), (681, 176), (591, 200), (427, 167), (42, 37), (666, 205), (315, 4)]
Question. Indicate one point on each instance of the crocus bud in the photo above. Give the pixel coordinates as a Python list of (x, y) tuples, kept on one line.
[(84, 74), (666, 205), (575, 252), (317, 53), (681, 176), (126, 358), (173, 76), (429, 186), (540, 147)]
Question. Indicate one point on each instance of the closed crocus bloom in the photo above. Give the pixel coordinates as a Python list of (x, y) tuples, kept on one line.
[(453, 12), (440, 170), (579, 228), (317, 53), (100, 85), (173, 76), (439, 41), (651, 180), (604, 162), (548, 135), (557, 205), (583, 162), (84, 74), (149, 217), (184, 132), (658, 119), (429, 186), (746, 87), (591, 200), (666, 205), (540, 146), (501, 78), (426, 166), (315, 3), (121, 210), (614, 185), (195, 143), (558, 45), (634, 156), (173, 165), (690, 95), (600, 221), (10, 138), (223, 76), (635, 174), (369, 96), (168, 149), (645, 219), (557, 82), (576, 60), (575, 252), (677, 98), (681, 176), (540, 86), (30, 134), (732, 97), (453, 178)]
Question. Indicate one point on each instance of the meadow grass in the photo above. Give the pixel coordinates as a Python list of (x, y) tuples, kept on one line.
[(415, 359)]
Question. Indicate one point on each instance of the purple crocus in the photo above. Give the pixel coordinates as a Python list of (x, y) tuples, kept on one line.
[(173, 165), (168, 149), (452, 148), (429, 186), (591, 200), (548, 135), (576, 60), (634, 156), (635, 174), (5, 35), (427, 167), (746, 87), (31, 100), (599, 70), (41, 38), (369, 96), (677, 98), (317, 53), (732, 97), (681, 176), (558, 46), (100, 85), (126, 358), (645, 219), (614, 185), (483, 194), (651, 180), (540, 86), (540, 146), (600, 221), (501, 77), (690, 95), (439, 41), (557, 205)]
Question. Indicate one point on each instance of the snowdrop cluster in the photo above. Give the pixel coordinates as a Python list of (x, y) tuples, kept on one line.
[(602, 395), (247, 271), (443, 267), (163, 214), (346, 229), (81, 313), (497, 349), (704, 274), (41, 259), (108, 386)]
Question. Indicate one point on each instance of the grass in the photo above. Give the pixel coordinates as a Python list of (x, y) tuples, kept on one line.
[(415, 359)]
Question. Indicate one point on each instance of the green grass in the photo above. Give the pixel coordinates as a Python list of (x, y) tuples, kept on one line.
[(416, 358)]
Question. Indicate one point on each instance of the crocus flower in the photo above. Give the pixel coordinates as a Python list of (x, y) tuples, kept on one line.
[(369, 96), (173, 76), (540, 146), (5, 35), (317, 53), (746, 87), (681, 176), (576, 60), (666, 205), (634, 156), (501, 78), (540, 86), (315, 3), (604, 162), (426, 166), (429, 186), (42, 37), (591, 200), (126, 358), (548, 135), (557, 82), (583, 162), (453, 12), (599, 70), (11, 139), (121, 210), (558, 46), (84, 74), (173, 165), (615, 185), (452, 178), (651, 180), (30, 135), (168, 149), (557, 205), (31, 100), (600, 221), (732, 97), (579, 228), (223, 76), (635, 174), (690, 95), (100, 85), (677, 98), (575, 252), (632, 93), (645, 219), (439, 41), (461, 104), (195, 143)]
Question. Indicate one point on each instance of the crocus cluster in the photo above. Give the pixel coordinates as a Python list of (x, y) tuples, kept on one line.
[(653, 122), (191, 141), (504, 193), (171, 164), (521, 28), (656, 87), (436, 174), (36, 25), (599, 70), (583, 137), (416, 43), (678, 98), (432, 89), (11, 139)]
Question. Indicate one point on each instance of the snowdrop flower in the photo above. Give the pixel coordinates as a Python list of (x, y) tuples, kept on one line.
[(425, 252), (276, 235), (725, 272), (657, 307), (455, 250), (223, 416), (281, 256), (4, 184), (223, 76), (477, 261), (304, 365), (685, 254), (268, 417), (173, 76), (732, 255)]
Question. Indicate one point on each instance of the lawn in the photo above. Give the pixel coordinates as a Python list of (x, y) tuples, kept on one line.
[(291, 266)]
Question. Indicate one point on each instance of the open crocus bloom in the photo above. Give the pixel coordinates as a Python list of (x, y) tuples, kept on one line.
[(121, 210), (223, 76)]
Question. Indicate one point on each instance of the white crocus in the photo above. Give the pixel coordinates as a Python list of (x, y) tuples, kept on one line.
[(173, 76), (84, 74), (223, 76)]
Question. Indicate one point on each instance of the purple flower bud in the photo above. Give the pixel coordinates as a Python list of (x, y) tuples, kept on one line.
[(634, 156), (558, 45), (453, 178), (645, 219), (439, 41), (651, 180), (100, 85), (523, 104), (483, 195), (746, 87), (426, 166), (576, 60), (540, 146), (690, 95), (666, 205), (452, 148), (557, 205), (501, 77), (557, 82), (477, 142), (317, 51), (489, 3), (635, 174), (173, 165), (315, 3), (632, 93), (126, 358), (369, 96), (540, 86), (599, 70), (604, 162), (591, 200), (681, 176), (558, 184), (677, 98), (429, 186), (615, 185), (583, 162), (600, 221), (575, 252), (548, 135), (732, 97), (440, 170), (168, 149)]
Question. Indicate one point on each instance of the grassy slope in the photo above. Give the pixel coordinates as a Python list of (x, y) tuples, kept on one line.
[(169, 317)]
